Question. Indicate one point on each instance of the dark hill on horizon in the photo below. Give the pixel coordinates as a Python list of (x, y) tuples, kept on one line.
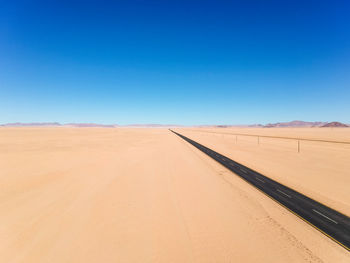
[(295, 123), (335, 124)]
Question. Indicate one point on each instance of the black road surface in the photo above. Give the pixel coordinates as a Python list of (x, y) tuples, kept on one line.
[(330, 222)]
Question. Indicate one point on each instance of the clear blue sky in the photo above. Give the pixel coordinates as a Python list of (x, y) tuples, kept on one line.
[(183, 62)]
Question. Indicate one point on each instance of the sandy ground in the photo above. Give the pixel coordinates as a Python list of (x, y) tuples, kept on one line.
[(138, 195), (320, 170)]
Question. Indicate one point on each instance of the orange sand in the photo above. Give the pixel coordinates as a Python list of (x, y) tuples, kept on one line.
[(320, 170), (139, 195)]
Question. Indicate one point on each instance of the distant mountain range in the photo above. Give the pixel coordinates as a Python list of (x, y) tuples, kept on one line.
[(83, 125), (291, 124), (47, 124), (295, 124), (21, 124)]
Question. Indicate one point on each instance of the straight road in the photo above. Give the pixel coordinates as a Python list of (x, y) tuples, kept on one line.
[(330, 222)]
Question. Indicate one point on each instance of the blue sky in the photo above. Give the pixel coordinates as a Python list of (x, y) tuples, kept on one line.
[(183, 62)]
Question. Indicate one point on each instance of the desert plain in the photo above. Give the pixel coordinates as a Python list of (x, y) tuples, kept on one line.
[(146, 195)]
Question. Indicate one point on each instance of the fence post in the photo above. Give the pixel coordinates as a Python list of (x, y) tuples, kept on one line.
[(258, 140), (298, 146)]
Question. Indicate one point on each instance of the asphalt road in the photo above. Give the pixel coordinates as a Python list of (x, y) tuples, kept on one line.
[(330, 222)]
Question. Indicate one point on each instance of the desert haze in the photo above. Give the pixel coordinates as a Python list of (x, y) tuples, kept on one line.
[(145, 195)]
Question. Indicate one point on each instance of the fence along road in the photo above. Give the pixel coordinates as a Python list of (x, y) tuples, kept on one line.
[(274, 137), (327, 220)]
